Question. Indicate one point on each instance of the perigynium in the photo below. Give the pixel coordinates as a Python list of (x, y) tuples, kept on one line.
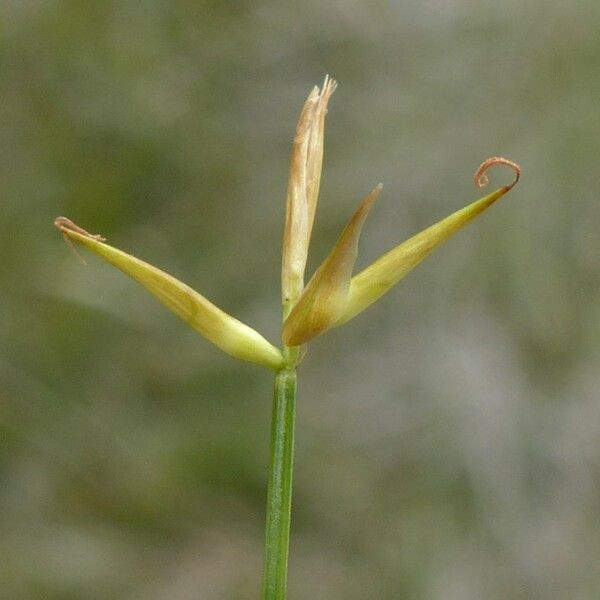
[(332, 297)]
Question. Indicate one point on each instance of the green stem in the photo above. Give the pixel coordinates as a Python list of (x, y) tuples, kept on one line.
[(279, 493)]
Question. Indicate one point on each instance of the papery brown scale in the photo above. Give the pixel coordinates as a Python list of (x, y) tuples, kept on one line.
[(303, 191), (296, 221)]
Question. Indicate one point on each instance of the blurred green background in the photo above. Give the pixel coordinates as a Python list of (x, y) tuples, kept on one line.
[(448, 440)]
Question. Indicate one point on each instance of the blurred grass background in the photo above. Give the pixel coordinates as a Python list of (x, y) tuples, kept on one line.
[(448, 441)]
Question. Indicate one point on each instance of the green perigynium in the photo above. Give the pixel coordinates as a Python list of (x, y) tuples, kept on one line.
[(332, 297)]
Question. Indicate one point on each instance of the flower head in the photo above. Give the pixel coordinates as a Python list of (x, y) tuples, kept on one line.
[(333, 295)]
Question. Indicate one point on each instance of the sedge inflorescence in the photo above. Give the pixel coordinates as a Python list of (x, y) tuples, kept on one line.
[(333, 295)]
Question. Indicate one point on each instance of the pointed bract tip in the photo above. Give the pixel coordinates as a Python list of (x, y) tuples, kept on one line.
[(329, 86), (329, 82), (324, 298), (480, 176)]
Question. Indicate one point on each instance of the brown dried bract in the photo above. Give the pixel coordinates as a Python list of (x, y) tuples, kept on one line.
[(480, 177)]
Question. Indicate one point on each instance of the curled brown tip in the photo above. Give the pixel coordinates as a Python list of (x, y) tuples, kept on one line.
[(480, 177), (63, 224)]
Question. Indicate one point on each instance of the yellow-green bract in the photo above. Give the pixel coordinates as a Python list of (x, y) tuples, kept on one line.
[(324, 298), (332, 297), (223, 330)]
